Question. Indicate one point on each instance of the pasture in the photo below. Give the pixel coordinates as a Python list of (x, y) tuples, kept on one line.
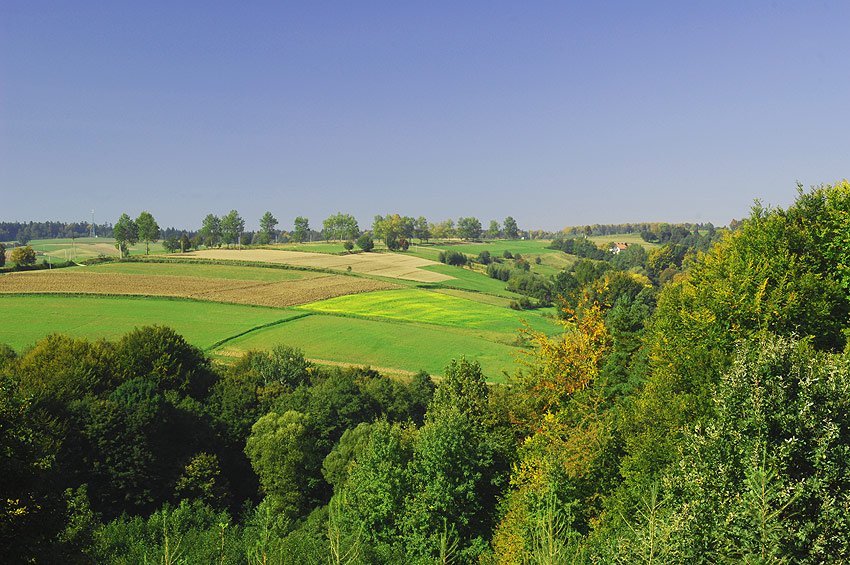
[(227, 309), (421, 306), (386, 346), (28, 318)]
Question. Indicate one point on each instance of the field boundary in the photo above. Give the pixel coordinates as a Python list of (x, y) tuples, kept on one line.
[(221, 342)]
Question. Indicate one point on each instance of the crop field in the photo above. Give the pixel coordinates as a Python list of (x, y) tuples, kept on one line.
[(413, 305), (630, 238), (206, 271), (392, 265), (386, 346), (259, 293), (228, 308), (84, 248), (26, 319)]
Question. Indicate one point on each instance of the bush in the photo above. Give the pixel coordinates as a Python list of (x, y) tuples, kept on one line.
[(484, 257), (365, 242), (348, 245), (507, 254), (455, 258)]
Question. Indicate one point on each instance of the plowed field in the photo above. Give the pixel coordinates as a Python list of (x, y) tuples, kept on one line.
[(277, 294), (394, 265)]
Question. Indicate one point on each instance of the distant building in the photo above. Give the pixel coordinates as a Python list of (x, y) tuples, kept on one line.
[(617, 247)]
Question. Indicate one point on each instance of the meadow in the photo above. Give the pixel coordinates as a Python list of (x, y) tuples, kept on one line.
[(419, 326)]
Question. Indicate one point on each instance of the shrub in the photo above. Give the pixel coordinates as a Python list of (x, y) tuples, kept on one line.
[(365, 242), (507, 254), (455, 258), (484, 257), (348, 245)]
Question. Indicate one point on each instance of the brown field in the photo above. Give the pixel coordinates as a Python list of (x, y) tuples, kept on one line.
[(276, 294), (394, 265)]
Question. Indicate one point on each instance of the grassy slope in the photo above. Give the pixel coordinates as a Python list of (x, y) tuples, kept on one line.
[(28, 318), (420, 306), (407, 347)]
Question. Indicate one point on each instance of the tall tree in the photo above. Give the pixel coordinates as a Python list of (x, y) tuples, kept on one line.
[(302, 229), (232, 226), (267, 225), (2, 255), (211, 230), (421, 230), (494, 231), (468, 228), (125, 233), (148, 229), (341, 226), (510, 228)]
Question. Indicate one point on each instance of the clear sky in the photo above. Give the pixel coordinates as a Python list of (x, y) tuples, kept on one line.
[(556, 113)]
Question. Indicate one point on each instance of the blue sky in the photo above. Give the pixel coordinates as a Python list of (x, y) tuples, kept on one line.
[(556, 113)]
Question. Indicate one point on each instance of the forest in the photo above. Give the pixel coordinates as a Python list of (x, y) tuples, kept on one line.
[(694, 407)]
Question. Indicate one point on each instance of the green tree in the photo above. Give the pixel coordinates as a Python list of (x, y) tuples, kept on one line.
[(2, 255), (184, 243), (232, 226), (511, 231), (171, 243), (468, 228), (420, 229), (125, 233), (302, 229), (23, 256), (148, 230), (211, 230), (495, 230), (267, 228), (280, 449), (341, 226)]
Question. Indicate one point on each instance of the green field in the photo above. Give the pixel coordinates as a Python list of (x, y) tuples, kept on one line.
[(200, 270), (630, 238), (28, 318), (402, 330), (421, 306), (384, 345)]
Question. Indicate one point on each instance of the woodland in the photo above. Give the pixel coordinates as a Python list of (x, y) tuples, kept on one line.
[(694, 407)]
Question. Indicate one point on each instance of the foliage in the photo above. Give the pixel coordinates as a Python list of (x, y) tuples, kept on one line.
[(147, 229), (365, 242), (126, 233), (232, 226), (302, 229), (267, 228), (468, 228), (510, 228), (341, 226), (211, 230)]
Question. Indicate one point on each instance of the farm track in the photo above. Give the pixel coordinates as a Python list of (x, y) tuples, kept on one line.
[(274, 294)]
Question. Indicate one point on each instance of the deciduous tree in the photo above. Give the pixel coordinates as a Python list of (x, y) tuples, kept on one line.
[(148, 230), (125, 233), (302, 229)]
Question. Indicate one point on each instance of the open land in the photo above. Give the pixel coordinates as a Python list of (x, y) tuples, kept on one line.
[(399, 312), (393, 265)]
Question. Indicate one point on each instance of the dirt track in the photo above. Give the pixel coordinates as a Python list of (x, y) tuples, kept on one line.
[(277, 294), (395, 265)]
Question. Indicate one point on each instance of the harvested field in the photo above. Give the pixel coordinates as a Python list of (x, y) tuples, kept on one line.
[(276, 294), (394, 265)]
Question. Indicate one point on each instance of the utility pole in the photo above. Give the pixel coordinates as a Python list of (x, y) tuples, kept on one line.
[(92, 224)]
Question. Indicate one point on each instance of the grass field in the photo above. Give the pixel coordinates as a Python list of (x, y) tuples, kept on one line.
[(26, 319), (414, 305), (630, 238), (401, 330), (383, 345)]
